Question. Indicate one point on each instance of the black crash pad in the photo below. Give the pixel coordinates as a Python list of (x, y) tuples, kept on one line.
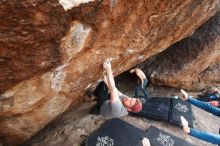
[(155, 108), (115, 132), (179, 108), (159, 137)]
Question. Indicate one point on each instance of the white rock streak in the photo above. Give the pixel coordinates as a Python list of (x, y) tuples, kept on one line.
[(74, 41), (68, 4), (58, 77)]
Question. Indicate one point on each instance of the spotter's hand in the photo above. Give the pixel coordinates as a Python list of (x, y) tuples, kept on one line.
[(185, 94), (145, 142)]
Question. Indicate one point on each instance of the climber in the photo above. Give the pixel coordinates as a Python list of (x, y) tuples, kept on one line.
[(206, 136), (114, 104)]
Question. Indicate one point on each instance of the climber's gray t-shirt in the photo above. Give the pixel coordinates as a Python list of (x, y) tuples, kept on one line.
[(112, 110)]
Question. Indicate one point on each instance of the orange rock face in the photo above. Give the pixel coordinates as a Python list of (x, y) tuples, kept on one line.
[(192, 63), (30, 35), (48, 56)]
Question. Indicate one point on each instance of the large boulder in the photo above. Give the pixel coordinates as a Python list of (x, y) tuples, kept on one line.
[(192, 63), (49, 56)]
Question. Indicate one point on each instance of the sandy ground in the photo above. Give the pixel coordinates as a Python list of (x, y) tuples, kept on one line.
[(75, 125)]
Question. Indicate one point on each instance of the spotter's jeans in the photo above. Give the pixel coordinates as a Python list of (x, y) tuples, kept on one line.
[(214, 96), (205, 106), (206, 136)]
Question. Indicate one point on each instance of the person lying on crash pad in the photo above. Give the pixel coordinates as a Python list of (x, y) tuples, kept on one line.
[(111, 102)]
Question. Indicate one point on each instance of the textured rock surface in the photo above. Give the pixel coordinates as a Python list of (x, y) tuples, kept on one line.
[(192, 63), (30, 32), (211, 76), (49, 56)]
